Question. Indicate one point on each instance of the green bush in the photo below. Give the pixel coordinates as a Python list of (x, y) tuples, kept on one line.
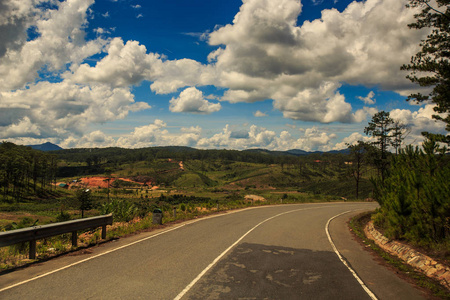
[(122, 210), (414, 197), (63, 216)]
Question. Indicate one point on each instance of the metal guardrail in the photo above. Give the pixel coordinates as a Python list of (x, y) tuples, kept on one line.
[(32, 234)]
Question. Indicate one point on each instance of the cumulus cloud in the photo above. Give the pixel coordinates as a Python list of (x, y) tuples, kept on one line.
[(197, 129), (231, 137), (60, 41), (368, 99), (124, 65), (418, 121), (93, 139), (18, 129), (259, 137), (259, 114), (264, 54), (61, 109), (33, 107), (352, 139), (192, 100), (15, 17)]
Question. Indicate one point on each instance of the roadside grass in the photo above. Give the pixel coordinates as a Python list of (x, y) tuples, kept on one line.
[(357, 224)]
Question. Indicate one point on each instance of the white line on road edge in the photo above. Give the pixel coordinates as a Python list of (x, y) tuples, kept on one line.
[(366, 289), (199, 276), (89, 258), (109, 251)]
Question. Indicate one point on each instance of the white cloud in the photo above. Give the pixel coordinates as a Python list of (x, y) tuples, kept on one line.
[(145, 136), (352, 140), (258, 137), (124, 65), (197, 129), (192, 100), (259, 114), (323, 104), (90, 140), (60, 41), (368, 99), (15, 17), (265, 55), (362, 114), (62, 109), (418, 122), (231, 137), (17, 130)]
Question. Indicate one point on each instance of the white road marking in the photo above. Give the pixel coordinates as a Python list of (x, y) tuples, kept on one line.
[(199, 276), (366, 289), (89, 258)]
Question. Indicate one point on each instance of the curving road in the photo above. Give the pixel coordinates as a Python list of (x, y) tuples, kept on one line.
[(276, 252)]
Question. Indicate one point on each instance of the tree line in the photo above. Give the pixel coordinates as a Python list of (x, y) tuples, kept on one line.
[(24, 171), (114, 157)]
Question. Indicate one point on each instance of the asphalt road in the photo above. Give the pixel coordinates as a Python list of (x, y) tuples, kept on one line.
[(277, 252)]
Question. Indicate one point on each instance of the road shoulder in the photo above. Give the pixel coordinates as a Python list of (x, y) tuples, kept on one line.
[(382, 281)]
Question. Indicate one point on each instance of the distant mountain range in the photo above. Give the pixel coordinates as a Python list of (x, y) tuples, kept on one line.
[(52, 147), (297, 152), (46, 147)]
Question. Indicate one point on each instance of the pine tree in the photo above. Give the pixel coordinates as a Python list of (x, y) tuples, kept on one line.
[(430, 67), (380, 127)]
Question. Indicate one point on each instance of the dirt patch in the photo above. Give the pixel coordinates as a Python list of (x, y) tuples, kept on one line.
[(102, 182), (254, 198)]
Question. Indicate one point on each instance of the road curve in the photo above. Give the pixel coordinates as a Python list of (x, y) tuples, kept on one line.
[(276, 252)]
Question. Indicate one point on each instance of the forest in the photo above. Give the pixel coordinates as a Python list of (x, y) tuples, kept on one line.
[(23, 170)]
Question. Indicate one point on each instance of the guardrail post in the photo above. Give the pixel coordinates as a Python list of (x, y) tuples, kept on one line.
[(104, 232), (74, 239), (32, 253), (174, 212)]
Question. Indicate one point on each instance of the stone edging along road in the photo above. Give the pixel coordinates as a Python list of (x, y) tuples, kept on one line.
[(423, 263)]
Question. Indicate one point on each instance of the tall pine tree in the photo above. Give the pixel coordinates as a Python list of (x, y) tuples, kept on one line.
[(430, 67)]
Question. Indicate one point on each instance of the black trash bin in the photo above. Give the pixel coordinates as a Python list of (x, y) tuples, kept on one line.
[(157, 216)]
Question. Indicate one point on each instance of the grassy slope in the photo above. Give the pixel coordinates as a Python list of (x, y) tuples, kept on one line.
[(219, 180)]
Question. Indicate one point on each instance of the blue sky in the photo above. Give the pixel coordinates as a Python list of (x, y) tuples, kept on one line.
[(279, 75)]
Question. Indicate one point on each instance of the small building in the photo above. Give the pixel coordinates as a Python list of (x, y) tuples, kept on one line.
[(63, 185)]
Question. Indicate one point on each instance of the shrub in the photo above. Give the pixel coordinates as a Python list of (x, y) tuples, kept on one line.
[(122, 210), (63, 216)]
